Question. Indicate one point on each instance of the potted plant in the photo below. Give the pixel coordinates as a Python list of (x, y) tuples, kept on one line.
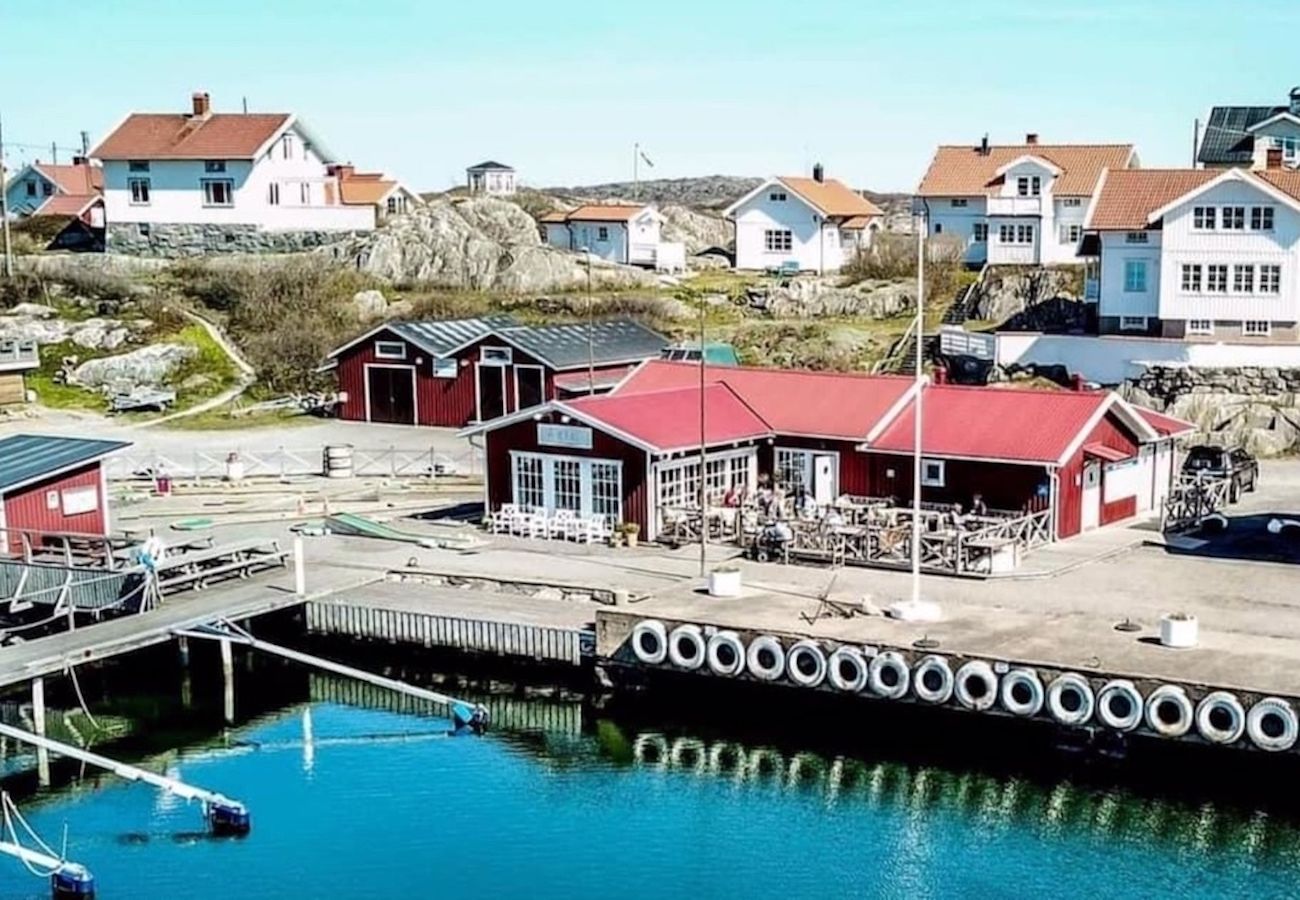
[(724, 581), (1178, 630), (631, 533), (616, 535)]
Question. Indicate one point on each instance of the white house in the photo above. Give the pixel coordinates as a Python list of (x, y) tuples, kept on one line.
[(491, 178), (204, 181), (46, 189), (387, 196), (1243, 135), (1018, 204), (815, 223), (1199, 253), (616, 232)]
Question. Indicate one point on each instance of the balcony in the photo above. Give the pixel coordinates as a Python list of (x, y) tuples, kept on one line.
[(1015, 206)]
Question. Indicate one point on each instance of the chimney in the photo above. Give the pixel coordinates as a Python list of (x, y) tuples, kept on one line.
[(984, 145), (202, 104), (1295, 101), (1077, 382), (79, 160), (1031, 138), (1273, 158), (342, 171), (819, 174)]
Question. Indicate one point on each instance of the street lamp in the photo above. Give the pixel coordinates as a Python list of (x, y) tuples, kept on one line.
[(591, 344)]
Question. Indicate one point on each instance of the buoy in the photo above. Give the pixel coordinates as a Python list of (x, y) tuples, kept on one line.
[(1070, 699), (1169, 712), (229, 818), (847, 669), (686, 647), (766, 658), (1120, 705), (889, 676), (466, 718), (1022, 692), (726, 654), (650, 642), (976, 685), (806, 664), (1271, 724), (72, 880), (1220, 718), (932, 680)]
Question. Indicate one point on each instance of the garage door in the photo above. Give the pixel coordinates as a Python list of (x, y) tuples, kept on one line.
[(390, 394)]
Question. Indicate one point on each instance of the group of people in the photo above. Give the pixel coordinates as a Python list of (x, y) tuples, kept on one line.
[(957, 519)]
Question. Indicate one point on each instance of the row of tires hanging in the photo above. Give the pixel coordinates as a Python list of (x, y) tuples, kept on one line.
[(1069, 698)]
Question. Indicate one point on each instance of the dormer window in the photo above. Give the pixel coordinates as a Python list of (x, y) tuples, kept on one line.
[(287, 145), (1029, 186)]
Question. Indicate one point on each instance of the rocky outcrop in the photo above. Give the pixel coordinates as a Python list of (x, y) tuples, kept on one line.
[(44, 328), (1258, 407), (707, 192), (697, 230), (813, 298), (480, 244), (1030, 298), (173, 241), (369, 304), (147, 367)]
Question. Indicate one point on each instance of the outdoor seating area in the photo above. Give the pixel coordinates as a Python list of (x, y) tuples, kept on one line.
[(561, 524)]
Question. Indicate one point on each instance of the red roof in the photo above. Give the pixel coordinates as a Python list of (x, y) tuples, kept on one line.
[(835, 405), (669, 420), (994, 423), (1163, 424), (68, 204), (180, 136), (78, 178), (1101, 451)]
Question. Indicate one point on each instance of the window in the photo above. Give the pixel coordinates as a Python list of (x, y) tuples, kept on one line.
[(1006, 234), (1234, 218), (778, 240), (1022, 186), (1072, 201), (139, 188), (392, 205), (390, 350), (980, 232), (31, 189), (567, 490), (1261, 218), (1024, 234), (958, 201), (47, 189), (606, 491), (932, 472), (1216, 279), (1035, 185), (496, 356), (273, 193), (1070, 234), (1243, 279), (1203, 218), (678, 483), (1191, 278), (78, 500), (1029, 186), (1270, 279), (1135, 276), (793, 469), (530, 488), (137, 165), (287, 145), (218, 192), (1132, 323), (1136, 237), (444, 368), (1256, 328), (938, 228), (1290, 147), (602, 233), (1200, 326), (214, 165), (777, 196), (304, 193)]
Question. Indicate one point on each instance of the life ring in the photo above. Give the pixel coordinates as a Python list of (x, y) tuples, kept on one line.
[(686, 647), (847, 669), (806, 664), (725, 756), (1070, 699), (932, 680), (689, 754), (1022, 692), (1169, 712), (1120, 705), (889, 676), (976, 685), (766, 658), (650, 642), (1271, 724), (726, 654), (650, 749), (765, 762), (1220, 718)]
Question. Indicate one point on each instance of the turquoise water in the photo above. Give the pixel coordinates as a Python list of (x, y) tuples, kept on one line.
[(362, 811)]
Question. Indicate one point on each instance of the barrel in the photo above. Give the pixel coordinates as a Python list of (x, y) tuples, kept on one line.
[(338, 461)]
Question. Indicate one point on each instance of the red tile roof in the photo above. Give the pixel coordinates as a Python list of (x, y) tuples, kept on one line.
[(793, 402), (1128, 197), (67, 204), (668, 420), (958, 171), (604, 212), (364, 188), (180, 136), (73, 179), (831, 196)]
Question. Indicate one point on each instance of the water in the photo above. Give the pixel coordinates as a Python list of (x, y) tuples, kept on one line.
[(612, 811)]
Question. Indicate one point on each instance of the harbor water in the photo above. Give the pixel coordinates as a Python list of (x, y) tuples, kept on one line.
[(356, 794)]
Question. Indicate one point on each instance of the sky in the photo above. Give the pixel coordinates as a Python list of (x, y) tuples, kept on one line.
[(563, 91)]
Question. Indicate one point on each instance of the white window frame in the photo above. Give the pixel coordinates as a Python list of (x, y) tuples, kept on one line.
[(1270, 278), (934, 472), (1243, 279), (1072, 201), (980, 232), (1262, 218), (444, 367), (1212, 271), (1232, 218), (1134, 285), (1191, 278), (1006, 234), (139, 189), (1248, 331), (287, 145), (1025, 235), (1071, 233), (209, 184), (496, 356), (677, 482), (273, 193), (550, 463), (1137, 237), (1200, 327), (77, 501), (777, 197), (778, 240), (1132, 323), (807, 467), (385, 350), (1205, 218)]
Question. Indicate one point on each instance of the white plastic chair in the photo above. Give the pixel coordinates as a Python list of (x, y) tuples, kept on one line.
[(502, 521), (560, 525), (535, 524)]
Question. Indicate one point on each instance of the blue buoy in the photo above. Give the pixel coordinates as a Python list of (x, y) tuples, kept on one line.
[(229, 818), (72, 880), (466, 718)]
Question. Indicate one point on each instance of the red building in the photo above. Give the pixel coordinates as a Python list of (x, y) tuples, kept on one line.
[(454, 372), (1089, 456), (52, 484)]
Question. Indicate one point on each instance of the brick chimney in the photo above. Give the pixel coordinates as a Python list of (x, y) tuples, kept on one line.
[(343, 171), (984, 144), (819, 174), (202, 104), (1273, 158), (1031, 138)]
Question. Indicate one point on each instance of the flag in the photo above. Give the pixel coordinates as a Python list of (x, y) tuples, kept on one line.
[(645, 159)]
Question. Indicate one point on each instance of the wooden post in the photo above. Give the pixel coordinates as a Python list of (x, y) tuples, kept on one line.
[(299, 568), (183, 647), (228, 679), (38, 720)]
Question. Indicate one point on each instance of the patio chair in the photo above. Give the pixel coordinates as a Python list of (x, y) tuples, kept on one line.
[(592, 529), (502, 521), (560, 525)]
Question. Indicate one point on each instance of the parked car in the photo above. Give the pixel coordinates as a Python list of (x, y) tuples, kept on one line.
[(1233, 463)]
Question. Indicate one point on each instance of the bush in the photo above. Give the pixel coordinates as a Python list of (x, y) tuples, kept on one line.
[(24, 287)]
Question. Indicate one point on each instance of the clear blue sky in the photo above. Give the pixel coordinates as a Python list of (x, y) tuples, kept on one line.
[(563, 91)]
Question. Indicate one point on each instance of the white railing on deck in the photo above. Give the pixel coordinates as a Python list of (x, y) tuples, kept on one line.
[(281, 462)]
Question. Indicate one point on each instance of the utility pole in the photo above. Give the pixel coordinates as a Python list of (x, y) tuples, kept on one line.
[(918, 387), (636, 170), (54, 153), (591, 340), (704, 512), (4, 208), (85, 143)]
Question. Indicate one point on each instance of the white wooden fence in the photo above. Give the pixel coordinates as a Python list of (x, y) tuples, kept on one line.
[(284, 462)]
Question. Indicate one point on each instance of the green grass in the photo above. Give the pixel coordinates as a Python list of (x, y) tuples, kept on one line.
[(220, 419)]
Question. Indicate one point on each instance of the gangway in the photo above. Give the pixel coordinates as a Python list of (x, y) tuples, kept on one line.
[(464, 714)]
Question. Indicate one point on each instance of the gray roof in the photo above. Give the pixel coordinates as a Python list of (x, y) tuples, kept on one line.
[(444, 336), (1226, 140), (565, 346), (25, 458), (489, 165)]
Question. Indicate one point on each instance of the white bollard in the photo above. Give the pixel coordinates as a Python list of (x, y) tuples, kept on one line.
[(299, 568)]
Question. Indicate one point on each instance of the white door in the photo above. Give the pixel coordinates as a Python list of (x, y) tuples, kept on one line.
[(1091, 495), (823, 480)]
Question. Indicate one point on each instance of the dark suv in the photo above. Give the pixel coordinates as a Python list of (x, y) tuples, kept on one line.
[(1224, 462)]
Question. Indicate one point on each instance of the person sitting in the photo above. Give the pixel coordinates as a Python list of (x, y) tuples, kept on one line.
[(833, 518), (735, 496), (805, 504), (954, 519), (978, 507)]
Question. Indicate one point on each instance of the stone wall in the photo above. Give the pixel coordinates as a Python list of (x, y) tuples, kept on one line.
[(178, 240)]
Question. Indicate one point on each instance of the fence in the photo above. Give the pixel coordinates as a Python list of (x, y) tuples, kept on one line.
[(283, 462), (1193, 499)]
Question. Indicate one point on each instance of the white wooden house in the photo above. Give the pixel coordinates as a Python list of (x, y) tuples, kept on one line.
[(1243, 135), (490, 178), (615, 232)]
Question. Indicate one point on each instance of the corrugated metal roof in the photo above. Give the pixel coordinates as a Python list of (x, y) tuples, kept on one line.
[(25, 458), (1163, 424), (444, 336), (1226, 140), (669, 420), (566, 346)]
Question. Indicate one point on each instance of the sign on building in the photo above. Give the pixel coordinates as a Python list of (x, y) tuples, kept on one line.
[(571, 437), (955, 341)]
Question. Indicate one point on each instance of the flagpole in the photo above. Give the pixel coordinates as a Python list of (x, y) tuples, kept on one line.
[(636, 158), (917, 387)]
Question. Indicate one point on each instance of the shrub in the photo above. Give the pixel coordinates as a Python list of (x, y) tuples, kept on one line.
[(24, 287)]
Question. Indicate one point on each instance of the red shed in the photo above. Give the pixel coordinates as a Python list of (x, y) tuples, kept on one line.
[(53, 484), (453, 372)]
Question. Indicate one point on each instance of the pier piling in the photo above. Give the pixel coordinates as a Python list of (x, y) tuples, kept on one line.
[(228, 679), (299, 568), (38, 722)]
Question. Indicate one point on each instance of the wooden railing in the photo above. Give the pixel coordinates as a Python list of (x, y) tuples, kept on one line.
[(1194, 498), (280, 462)]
